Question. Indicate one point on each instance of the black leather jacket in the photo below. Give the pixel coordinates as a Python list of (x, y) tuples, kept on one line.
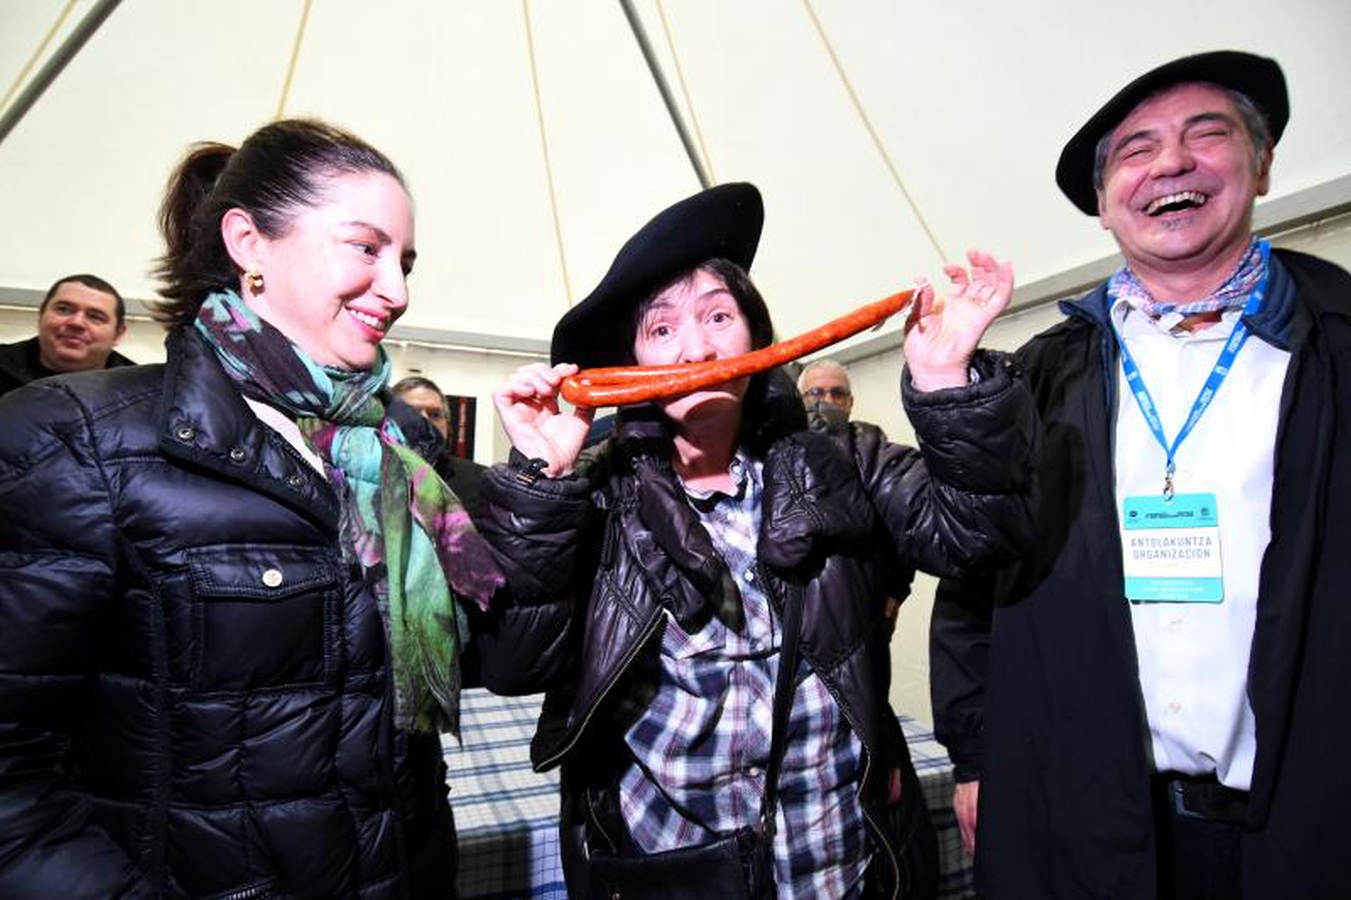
[(193, 690), (593, 559)]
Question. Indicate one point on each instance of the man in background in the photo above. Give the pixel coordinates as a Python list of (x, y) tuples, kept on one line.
[(80, 320), (422, 396), (825, 390), (829, 399), (1152, 703)]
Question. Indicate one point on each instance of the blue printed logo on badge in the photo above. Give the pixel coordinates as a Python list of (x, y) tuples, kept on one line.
[(1171, 549)]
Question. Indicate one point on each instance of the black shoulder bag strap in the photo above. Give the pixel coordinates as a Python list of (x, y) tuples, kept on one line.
[(784, 686)]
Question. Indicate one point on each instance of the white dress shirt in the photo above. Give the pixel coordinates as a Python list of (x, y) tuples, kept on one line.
[(1193, 657)]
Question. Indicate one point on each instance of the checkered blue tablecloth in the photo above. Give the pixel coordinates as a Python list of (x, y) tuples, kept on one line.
[(507, 815)]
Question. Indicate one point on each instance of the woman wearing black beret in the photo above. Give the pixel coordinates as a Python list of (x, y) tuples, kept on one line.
[(660, 581)]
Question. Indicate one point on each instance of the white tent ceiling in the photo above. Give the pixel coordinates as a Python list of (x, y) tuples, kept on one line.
[(534, 139)]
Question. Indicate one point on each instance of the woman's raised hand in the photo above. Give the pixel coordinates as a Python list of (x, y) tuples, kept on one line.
[(942, 336), (528, 407)]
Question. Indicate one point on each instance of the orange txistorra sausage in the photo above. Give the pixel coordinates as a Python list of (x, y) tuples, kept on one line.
[(622, 385)]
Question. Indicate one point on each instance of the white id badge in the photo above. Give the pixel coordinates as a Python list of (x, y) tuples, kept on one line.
[(1171, 549)]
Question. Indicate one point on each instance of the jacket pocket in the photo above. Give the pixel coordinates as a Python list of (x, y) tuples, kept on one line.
[(264, 615)]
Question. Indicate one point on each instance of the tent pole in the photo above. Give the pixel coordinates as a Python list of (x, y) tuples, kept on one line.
[(640, 35), (82, 32)]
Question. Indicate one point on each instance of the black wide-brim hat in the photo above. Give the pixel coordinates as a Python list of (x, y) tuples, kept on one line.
[(1257, 77), (721, 222)]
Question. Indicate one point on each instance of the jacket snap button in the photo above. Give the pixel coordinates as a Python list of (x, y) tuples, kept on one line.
[(186, 434), (237, 455), (272, 578)]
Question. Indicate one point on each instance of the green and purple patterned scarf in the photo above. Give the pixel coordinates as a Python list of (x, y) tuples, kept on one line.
[(399, 520)]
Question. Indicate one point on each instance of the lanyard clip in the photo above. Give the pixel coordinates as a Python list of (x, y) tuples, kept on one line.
[(1168, 481)]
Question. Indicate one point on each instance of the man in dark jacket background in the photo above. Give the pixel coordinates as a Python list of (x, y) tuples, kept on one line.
[(419, 406), (79, 321), (829, 399), (1138, 709)]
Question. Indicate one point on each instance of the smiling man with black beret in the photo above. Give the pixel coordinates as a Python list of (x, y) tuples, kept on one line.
[(1153, 702)]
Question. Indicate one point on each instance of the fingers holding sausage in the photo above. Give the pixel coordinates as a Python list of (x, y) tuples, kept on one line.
[(535, 384), (527, 405)]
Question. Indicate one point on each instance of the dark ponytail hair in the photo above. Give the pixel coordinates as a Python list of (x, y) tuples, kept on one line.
[(278, 170)]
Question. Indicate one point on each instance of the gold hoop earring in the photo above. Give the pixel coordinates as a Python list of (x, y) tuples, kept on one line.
[(254, 279)]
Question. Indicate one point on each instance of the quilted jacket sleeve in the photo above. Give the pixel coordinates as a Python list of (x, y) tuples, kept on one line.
[(964, 501), (539, 529), (58, 583)]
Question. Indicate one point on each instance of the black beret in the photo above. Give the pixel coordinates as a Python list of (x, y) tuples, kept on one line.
[(721, 222), (1257, 77)]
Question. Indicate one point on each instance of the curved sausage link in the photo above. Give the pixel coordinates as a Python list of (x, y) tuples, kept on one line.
[(623, 385)]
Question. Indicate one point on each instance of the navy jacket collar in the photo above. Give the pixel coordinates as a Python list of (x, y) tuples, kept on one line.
[(204, 419)]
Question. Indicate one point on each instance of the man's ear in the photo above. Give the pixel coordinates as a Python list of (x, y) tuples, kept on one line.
[(121, 330), (243, 241), (1264, 172)]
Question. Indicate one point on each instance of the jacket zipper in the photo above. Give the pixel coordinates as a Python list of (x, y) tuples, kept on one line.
[(252, 892), (858, 794), (305, 466), (638, 645), (595, 822), (402, 861)]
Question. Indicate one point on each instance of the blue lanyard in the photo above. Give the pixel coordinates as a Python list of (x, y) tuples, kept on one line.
[(1217, 375)]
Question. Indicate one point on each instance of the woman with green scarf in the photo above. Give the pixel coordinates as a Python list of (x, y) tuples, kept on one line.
[(233, 600)]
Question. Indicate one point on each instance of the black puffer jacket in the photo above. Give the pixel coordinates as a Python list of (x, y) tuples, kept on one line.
[(592, 560), (193, 690)]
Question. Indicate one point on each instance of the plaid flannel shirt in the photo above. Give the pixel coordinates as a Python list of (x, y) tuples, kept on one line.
[(701, 746)]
